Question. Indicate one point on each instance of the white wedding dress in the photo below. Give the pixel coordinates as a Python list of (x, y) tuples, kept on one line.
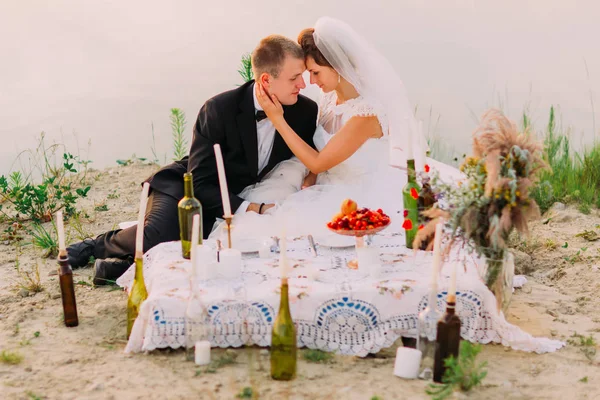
[(365, 177)]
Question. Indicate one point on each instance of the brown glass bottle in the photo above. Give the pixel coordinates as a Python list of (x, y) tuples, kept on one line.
[(67, 291), (448, 339), (425, 202)]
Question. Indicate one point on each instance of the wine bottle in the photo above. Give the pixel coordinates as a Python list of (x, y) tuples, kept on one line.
[(187, 207), (448, 333), (138, 293), (425, 202), (67, 291), (410, 195), (283, 340)]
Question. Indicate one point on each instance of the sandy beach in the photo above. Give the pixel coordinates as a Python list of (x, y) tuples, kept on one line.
[(560, 301)]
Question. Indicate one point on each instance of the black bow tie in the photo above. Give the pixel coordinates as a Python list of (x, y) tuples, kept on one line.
[(260, 115)]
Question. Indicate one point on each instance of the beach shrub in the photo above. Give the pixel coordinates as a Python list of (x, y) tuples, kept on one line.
[(574, 177)]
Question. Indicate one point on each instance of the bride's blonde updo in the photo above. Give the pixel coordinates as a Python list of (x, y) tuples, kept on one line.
[(306, 40)]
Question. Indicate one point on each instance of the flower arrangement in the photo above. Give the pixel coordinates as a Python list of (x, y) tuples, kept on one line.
[(493, 199)]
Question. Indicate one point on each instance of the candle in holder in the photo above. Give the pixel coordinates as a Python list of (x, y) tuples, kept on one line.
[(223, 182), (283, 260), (407, 363), (231, 263), (62, 250), (139, 237), (202, 354)]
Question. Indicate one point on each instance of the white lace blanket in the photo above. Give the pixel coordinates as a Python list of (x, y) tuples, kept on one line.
[(340, 311)]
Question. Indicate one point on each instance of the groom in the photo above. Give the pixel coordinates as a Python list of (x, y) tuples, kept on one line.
[(251, 148)]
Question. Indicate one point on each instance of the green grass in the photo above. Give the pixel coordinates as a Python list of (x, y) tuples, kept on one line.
[(317, 356), (10, 358), (574, 176)]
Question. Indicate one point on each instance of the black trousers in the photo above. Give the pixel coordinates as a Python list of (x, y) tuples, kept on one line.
[(161, 225)]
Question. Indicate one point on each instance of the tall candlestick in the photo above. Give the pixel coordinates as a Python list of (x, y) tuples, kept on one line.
[(139, 237), (452, 288), (283, 261), (222, 182), (194, 248), (437, 252), (409, 140), (60, 227)]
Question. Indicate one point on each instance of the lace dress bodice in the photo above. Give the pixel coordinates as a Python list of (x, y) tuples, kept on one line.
[(370, 158)]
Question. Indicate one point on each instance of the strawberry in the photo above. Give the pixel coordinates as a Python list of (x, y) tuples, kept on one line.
[(405, 213), (427, 168), (408, 225), (414, 193)]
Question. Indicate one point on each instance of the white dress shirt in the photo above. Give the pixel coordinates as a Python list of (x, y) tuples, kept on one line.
[(265, 134)]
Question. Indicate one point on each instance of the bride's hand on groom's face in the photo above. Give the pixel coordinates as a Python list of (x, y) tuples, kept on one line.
[(270, 104)]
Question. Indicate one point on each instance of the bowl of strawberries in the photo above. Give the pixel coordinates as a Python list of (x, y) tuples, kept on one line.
[(359, 222)]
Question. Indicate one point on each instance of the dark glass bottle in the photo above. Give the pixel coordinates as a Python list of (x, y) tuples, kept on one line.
[(67, 291), (410, 195), (283, 340), (187, 207), (425, 202), (448, 338)]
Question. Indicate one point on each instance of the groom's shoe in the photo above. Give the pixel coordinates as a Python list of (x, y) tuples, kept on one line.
[(106, 272), (80, 253)]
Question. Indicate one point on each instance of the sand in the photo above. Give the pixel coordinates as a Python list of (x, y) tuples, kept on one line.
[(88, 362)]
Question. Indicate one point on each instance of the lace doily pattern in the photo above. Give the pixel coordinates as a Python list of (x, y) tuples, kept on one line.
[(340, 310)]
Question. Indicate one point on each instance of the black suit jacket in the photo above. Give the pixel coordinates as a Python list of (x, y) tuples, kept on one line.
[(228, 119)]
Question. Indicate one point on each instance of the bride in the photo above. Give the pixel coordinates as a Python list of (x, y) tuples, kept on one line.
[(365, 133)]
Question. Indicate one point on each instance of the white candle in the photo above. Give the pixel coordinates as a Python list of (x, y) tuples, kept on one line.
[(452, 288), (409, 140), (194, 244), (437, 252), (60, 227), (202, 352), (222, 181), (283, 260), (231, 263), (407, 363), (205, 256), (139, 237)]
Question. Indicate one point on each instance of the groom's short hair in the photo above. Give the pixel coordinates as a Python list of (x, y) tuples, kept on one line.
[(270, 54)]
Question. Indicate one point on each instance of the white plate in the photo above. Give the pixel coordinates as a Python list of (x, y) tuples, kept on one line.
[(335, 240), (247, 245)]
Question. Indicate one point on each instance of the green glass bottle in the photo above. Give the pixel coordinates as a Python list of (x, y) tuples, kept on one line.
[(137, 295), (188, 207), (283, 340), (410, 196)]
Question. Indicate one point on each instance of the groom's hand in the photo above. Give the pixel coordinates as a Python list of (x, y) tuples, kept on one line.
[(255, 207), (309, 180)]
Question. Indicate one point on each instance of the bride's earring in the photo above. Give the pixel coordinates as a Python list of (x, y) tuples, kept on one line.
[(339, 78)]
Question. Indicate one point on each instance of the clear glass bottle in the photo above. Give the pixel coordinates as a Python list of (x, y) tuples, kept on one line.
[(427, 333)]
